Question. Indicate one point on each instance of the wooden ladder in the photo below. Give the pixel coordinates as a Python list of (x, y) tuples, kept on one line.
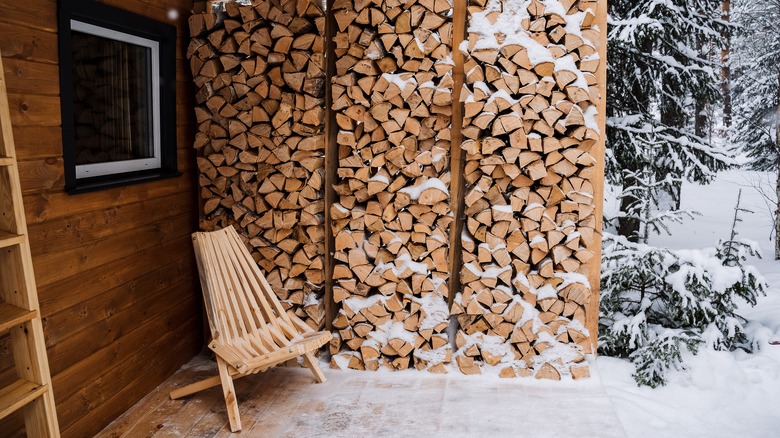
[(19, 313)]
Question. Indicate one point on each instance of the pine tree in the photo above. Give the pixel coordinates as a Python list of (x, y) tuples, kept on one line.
[(656, 303), (756, 66), (658, 72)]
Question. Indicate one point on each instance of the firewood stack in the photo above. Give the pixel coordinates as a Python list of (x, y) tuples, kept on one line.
[(392, 94), (529, 101), (259, 71)]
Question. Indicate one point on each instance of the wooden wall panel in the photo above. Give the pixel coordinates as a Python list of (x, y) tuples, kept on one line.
[(116, 276)]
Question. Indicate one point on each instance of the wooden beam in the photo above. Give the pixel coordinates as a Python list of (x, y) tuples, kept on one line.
[(594, 277), (457, 154), (331, 164)]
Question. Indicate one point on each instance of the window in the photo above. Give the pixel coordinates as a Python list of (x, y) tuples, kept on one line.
[(117, 78)]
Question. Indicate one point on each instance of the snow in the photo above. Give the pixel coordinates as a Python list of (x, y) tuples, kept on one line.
[(401, 80), (509, 24), (503, 208), (356, 304), (392, 330), (501, 94), (401, 264), (567, 63), (546, 291), (430, 183), (490, 272), (720, 394), (380, 178), (434, 308), (590, 118), (439, 154)]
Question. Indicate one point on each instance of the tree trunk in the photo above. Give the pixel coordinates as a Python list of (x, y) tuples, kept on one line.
[(777, 186), (777, 209), (701, 106), (628, 227), (725, 84), (673, 117)]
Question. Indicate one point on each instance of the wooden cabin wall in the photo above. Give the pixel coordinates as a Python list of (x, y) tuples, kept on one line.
[(116, 276)]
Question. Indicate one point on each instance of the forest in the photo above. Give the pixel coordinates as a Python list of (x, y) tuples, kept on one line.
[(693, 92)]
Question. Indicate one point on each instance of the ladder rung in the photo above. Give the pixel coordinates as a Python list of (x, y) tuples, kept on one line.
[(18, 394), (9, 239), (11, 316), (6, 161)]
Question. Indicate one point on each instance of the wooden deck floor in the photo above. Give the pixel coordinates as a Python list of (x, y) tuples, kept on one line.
[(285, 402)]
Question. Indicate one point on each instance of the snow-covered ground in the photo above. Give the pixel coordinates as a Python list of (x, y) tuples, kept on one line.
[(720, 394)]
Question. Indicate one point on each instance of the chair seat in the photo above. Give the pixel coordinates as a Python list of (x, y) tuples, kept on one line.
[(245, 356)]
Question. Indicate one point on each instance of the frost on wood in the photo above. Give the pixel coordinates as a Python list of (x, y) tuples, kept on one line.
[(392, 94), (530, 124), (259, 74)]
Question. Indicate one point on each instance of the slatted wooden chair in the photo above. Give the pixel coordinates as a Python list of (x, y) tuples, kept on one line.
[(251, 332)]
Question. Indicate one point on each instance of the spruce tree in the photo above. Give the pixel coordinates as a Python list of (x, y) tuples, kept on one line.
[(659, 75), (657, 303)]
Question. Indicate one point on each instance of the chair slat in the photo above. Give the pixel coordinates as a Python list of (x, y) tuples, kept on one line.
[(226, 294), (266, 297), (254, 302), (241, 288), (214, 295)]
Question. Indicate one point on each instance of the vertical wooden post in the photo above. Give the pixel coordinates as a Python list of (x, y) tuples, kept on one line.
[(456, 153), (331, 163), (592, 314)]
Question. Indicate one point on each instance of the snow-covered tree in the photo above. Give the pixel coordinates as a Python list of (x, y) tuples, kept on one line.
[(658, 71), (756, 68), (656, 303)]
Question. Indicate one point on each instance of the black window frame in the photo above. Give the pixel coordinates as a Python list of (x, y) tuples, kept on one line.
[(98, 14)]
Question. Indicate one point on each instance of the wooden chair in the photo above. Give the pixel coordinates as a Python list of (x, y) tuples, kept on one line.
[(251, 332)]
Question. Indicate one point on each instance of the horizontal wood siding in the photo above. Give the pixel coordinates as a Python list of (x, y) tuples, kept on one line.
[(116, 276)]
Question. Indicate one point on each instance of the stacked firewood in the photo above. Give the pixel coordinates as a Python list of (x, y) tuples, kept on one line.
[(392, 93), (529, 128), (259, 71)]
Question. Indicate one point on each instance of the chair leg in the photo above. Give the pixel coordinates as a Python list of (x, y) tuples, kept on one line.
[(208, 382), (314, 366), (230, 395)]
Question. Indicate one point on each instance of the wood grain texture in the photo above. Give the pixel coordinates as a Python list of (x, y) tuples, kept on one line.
[(28, 43), (594, 276), (31, 391), (31, 77), (37, 142), (41, 174), (391, 219), (34, 109), (36, 14)]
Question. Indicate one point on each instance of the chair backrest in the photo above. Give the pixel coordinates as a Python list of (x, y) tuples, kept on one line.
[(239, 301)]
